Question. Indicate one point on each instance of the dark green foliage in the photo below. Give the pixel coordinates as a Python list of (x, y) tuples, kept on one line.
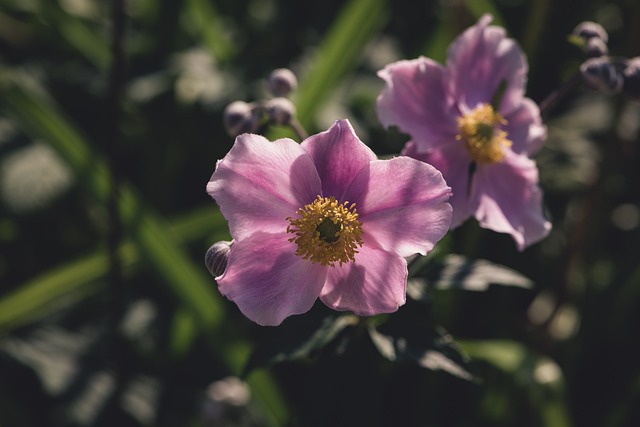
[(488, 337)]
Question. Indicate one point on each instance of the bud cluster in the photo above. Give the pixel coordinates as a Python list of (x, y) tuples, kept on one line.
[(249, 117), (592, 38), (600, 71)]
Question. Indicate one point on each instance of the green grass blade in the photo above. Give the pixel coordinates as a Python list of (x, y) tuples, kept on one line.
[(85, 276), (358, 22), (81, 35), (444, 33), (477, 8), (206, 21), (41, 119)]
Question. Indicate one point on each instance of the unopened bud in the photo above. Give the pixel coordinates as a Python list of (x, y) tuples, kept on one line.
[(280, 111), (217, 256), (595, 47), (602, 75), (587, 30), (631, 77), (281, 82), (239, 118)]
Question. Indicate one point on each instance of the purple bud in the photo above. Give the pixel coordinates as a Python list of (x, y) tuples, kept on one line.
[(632, 78), (595, 47), (217, 256), (239, 118), (602, 75), (587, 30), (280, 110), (281, 82)]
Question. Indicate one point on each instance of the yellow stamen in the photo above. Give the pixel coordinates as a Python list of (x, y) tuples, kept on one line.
[(326, 231), (486, 143)]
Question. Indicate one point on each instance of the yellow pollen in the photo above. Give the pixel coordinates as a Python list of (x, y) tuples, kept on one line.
[(326, 231), (485, 143)]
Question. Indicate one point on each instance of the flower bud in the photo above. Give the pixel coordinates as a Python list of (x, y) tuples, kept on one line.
[(595, 47), (587, 30), (239, 118), (602, 75), (216, 257), (631, 77), (280, 110), (281, 82)]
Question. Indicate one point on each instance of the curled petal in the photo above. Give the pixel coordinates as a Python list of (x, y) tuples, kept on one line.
[(479, 60), (338, 155), (260, 183), (508, 200), (416, 99), (375, 283), (453, 162), (268, 281), (412, 216), (525, 129)]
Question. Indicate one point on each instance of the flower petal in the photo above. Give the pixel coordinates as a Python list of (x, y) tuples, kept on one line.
[(479, 60), (338, 155), (260, 183), (508, 199), (525, 129), (416, 100), (453, 161), (268, 281), (402, 204), (375, 283)]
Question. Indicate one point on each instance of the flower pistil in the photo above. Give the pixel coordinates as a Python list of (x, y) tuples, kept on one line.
[(482, 139), (326, 231)]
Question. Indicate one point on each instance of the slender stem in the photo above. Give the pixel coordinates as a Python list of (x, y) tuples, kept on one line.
[(298, 129), (554, 97), (113, 135)]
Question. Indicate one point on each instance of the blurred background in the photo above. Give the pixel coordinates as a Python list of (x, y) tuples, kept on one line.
[(108, 315)]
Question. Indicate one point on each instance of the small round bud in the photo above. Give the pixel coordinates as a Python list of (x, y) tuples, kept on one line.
[(595, 47), (239, 118), (587, 30), (631, 77), (281, 82), (217, 256), (602, 75), (280, 110)]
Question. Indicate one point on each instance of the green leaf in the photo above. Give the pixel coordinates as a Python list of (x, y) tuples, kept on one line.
[(435, 350), (538, 375), (458, 272), (299, 338), (343, 46)]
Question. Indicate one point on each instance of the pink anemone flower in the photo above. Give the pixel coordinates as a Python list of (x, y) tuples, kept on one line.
[(483, 151), (323, 219)]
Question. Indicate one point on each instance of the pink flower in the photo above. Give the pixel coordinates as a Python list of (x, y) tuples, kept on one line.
[(483, 154), (323, 219)]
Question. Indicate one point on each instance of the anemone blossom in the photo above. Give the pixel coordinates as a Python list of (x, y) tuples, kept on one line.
[(471, 120), (323, 219)]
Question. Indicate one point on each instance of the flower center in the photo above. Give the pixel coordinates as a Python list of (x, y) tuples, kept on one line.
[(483, 140), (326, 231)]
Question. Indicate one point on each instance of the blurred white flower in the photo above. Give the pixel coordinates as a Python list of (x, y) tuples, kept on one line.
[(32, 177), (199, 78)]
